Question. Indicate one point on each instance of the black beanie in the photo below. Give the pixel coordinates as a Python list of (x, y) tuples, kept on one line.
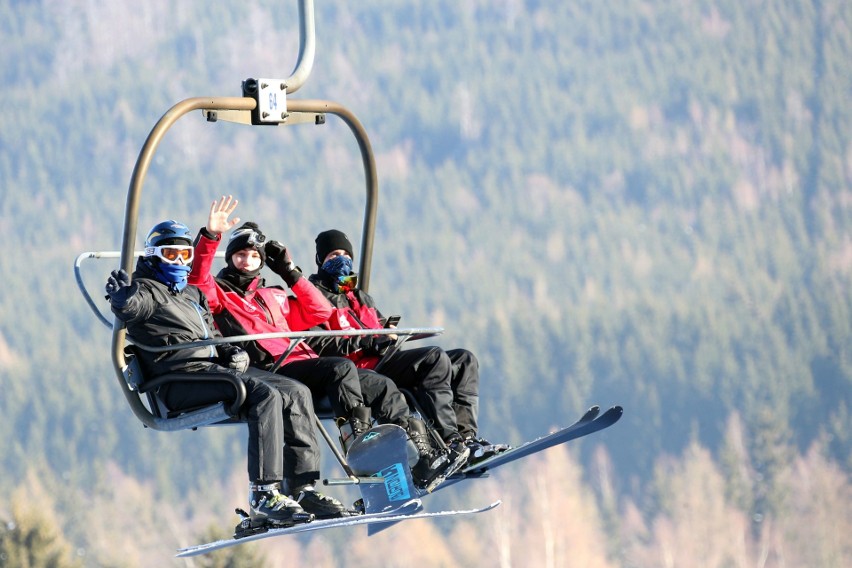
[(240, 240), (330, 240)]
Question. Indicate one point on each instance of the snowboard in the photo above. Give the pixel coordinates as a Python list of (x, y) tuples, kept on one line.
[(382, 453), (405, 512)]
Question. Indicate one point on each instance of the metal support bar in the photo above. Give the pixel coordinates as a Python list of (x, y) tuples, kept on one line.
[(307, 47), (333, 447), (371, 178)]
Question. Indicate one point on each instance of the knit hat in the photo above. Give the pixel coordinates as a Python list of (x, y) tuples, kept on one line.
[(247, 236), (330, 240)]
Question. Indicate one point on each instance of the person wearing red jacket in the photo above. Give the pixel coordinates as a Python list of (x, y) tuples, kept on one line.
[(445, 383), (242, 304)]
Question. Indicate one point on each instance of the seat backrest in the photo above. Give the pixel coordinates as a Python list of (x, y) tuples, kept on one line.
[(167, 420)]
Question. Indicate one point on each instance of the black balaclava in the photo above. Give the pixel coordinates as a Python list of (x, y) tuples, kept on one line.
[(337, 273)]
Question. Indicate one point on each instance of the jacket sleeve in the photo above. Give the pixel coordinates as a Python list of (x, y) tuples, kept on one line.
[(201, 275), (335, 346), (139, 307), (343, 346), (309, 308)]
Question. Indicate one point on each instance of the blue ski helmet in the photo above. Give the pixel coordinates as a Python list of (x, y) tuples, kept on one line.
[(168, 233)]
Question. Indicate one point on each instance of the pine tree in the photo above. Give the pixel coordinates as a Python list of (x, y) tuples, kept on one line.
[(31, 537)]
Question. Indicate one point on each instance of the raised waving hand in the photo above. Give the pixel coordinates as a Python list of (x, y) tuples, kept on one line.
[(217, 222)]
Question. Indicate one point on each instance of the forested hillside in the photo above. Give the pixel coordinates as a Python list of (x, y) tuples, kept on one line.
[(646, 203)]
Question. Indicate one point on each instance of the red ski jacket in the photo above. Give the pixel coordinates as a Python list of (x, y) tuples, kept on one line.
[(352, 310), (262, 309)]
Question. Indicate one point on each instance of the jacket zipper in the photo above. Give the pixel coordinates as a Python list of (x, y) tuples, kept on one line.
[(204, 327)]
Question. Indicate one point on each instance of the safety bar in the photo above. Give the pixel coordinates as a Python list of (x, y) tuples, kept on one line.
[(419, 331), (82, 285)]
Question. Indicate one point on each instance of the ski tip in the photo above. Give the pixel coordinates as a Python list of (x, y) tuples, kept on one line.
[(616, 412)]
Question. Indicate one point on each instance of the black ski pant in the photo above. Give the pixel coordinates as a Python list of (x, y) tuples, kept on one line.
[(427, 372), (465, 386), (282, 439), (347, 386), (387, 404), (333, 377)]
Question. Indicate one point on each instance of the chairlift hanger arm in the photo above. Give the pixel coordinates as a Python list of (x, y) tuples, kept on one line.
[(307, 47), (140, 170)]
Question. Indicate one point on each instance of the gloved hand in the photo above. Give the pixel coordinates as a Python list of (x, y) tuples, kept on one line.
[(279, 261), (119, 289), (278, 257), (376, 344), (233, 357)]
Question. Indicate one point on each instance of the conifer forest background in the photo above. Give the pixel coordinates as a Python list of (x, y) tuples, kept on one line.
[(635, 202)]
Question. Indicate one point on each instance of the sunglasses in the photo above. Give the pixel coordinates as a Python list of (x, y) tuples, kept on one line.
[(171, 254)]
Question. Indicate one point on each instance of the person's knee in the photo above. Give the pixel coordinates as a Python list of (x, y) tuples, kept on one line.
[(298, 395), (345, 370), (464, 358), (437, 358)]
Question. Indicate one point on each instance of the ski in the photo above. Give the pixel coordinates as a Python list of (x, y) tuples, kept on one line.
[(408, 511), (589, 423), (490, 451)]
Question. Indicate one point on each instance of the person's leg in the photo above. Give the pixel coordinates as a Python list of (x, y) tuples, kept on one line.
[(334, 377), (301, 456), (388, 405), (429, 466), (263, 408), (465, 383), (465, 386), (427, 371), (301, 452)]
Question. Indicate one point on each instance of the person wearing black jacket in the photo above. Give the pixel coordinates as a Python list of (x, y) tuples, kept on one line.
[(159, 308), (446, 383)]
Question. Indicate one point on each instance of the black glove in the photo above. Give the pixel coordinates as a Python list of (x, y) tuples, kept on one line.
[(233, 357), (376, 344), (279, 261), (119, 289)]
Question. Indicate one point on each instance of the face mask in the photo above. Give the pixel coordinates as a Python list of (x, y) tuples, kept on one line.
[(338, 266), (174, 275)]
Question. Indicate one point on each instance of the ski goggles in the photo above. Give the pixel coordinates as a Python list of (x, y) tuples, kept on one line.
[(347, 283), (254, 239), (172, 254)]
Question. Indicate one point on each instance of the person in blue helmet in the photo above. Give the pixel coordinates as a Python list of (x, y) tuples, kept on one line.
[(159, 308)]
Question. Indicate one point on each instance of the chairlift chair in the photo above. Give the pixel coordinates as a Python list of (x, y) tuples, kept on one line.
[(264, 102)]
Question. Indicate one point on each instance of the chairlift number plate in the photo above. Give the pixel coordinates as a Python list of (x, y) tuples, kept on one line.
[(271, 100)]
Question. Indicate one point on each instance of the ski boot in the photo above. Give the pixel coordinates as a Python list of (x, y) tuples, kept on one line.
[(320, 505), (359, 422), (270, 508), (433, 466), (481, 449)]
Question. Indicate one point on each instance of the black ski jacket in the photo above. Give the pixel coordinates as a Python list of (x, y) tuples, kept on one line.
[(155, 316)]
